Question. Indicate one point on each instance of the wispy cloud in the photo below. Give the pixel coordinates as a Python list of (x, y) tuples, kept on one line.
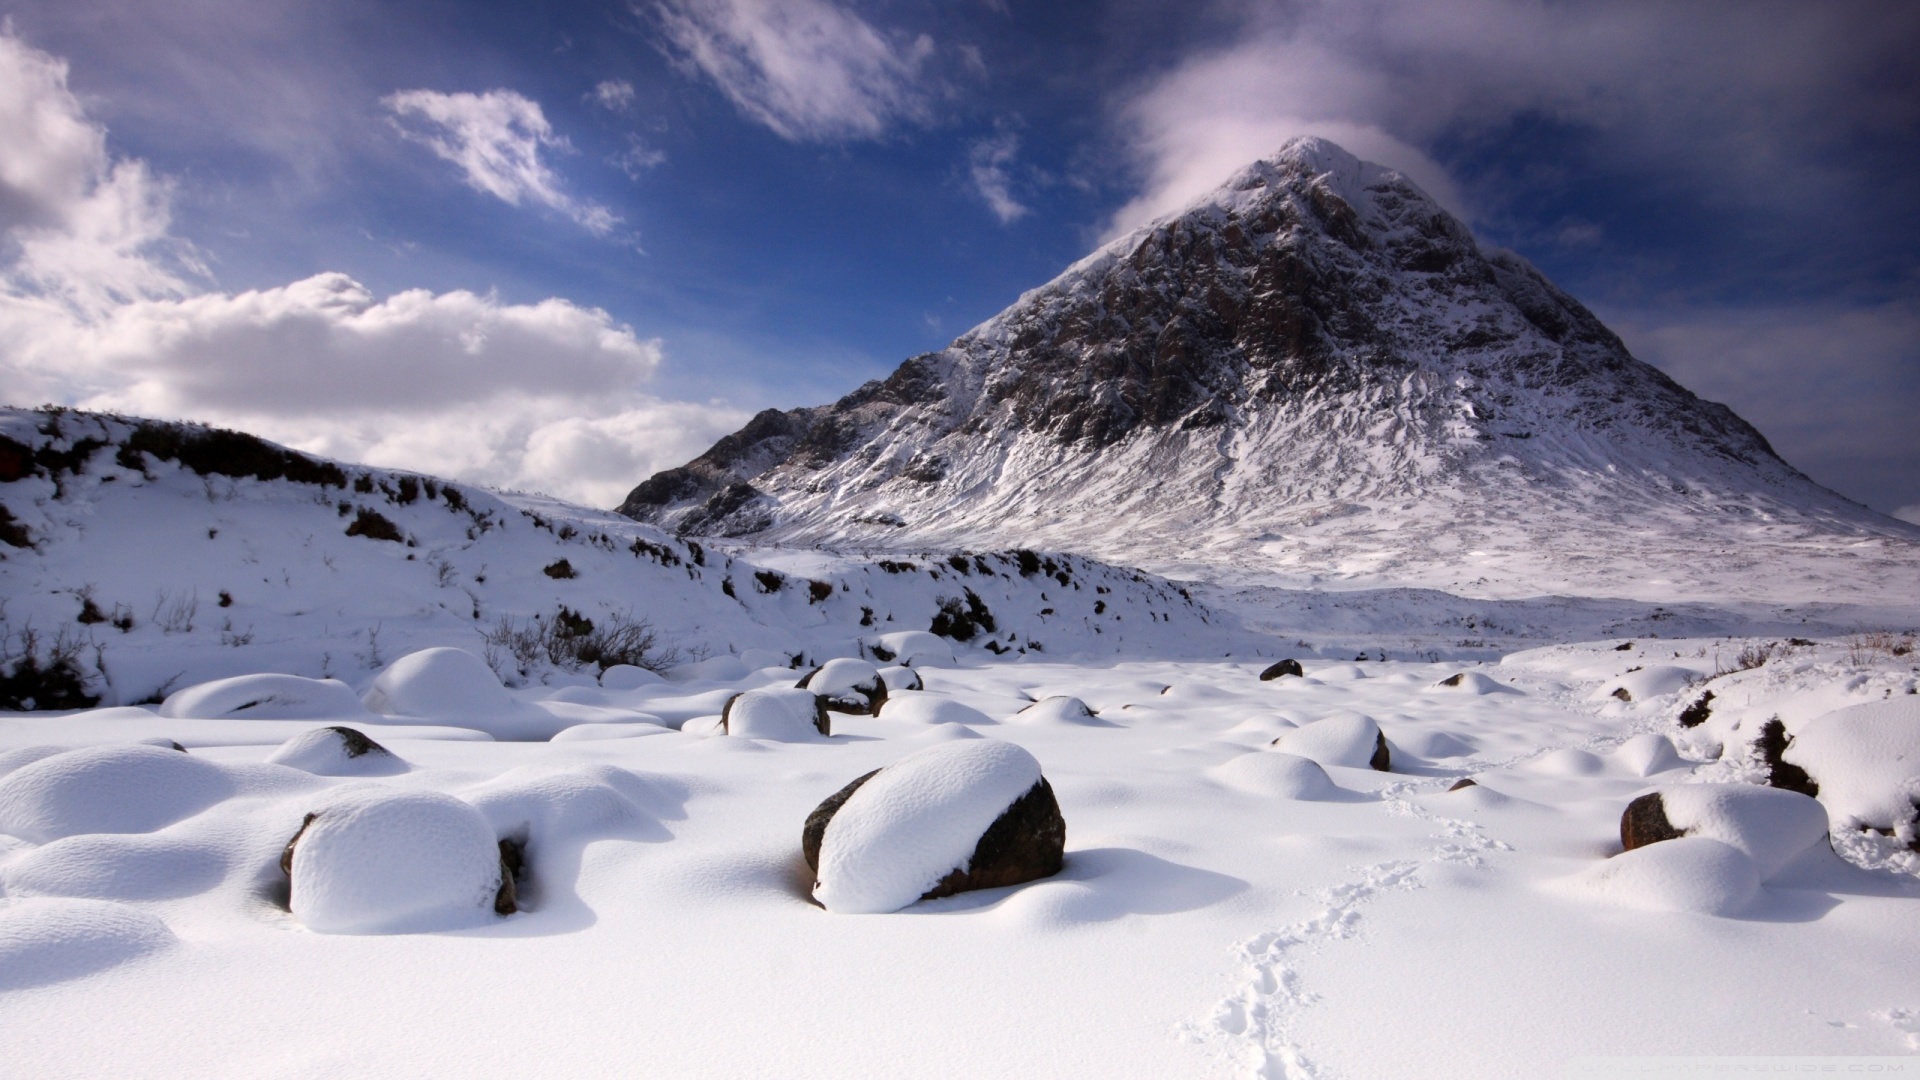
[(613, 94), (97, 311), (987, 162), (638, 158), (496, 139), (809, 70)]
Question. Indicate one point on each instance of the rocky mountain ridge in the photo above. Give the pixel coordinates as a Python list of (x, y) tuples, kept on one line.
[(1312, 375)]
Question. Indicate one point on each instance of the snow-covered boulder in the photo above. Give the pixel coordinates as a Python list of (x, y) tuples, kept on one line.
[(119, 866), (1059, 709), (1865, 761), (1691, 874), (107, 789), (629, 677), (455, 687), (395, 862), (264, 697), (1648, 753), (1656, 680), (602, 732), (1770, 826), (1345, 738), (911, 648), (781, 714), (1275, 775), (959, 815), (899, 677), (337, 751), (920, 707), (1280, 668), (847, 685), (21, 757), (1470, 683)]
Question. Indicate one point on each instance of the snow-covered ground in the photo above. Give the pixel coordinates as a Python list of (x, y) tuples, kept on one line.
[(1242, 893), (1225, 908)]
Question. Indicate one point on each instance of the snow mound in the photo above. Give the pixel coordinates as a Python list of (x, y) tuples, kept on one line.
[(46, 941), (1866, 759), (1693, 874), (1648, 753), (782, 714), (1275, 775), (1470, 682), (1434, 744), (1568, 761), (900, 677), (395, 862), (457, 687), (1345, 738), (443, 684), (762, 659), (264, 697), (916, 821), (1339, 673), (540, 805), (109, 866), (601, 732), (1059, 709), (12, 760), (920, 707), (107, 789), (1659, 680), (629, 677), (1768, 825), (913, 648), (337, 751)]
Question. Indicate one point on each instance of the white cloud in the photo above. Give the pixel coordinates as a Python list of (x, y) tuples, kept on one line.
[(987, 161), (1664, 86), (638, 158), (496, 138), (550, 395), (614, 94), (89, 232), (807, 69)]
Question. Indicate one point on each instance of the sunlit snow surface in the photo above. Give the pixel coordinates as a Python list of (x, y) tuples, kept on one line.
[(1214, 918)]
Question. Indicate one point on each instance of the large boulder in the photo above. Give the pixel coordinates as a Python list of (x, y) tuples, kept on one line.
[(1770, 826), (1344, 738), (1863, 762), (107, 789), (453, 686), (1690, 874), (337, 751), (956, 816), (1059, 709), (1275, 775), (781, 714), (921, 707), (847, 685), (396, 862)]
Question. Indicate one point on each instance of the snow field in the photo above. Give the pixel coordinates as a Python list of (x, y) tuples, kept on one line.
[(1219, 913)]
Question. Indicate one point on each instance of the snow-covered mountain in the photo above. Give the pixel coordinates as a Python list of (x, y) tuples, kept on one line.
[(138, 557), (1312, 375)]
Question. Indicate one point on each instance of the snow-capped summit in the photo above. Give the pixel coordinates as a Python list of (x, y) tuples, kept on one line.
[(1312, 373)]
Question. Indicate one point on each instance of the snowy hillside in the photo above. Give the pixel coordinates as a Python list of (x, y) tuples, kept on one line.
[(1312, 376), (153, 556)]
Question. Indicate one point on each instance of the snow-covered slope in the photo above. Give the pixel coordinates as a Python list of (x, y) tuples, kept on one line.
[(1312, 375), (155, 556)]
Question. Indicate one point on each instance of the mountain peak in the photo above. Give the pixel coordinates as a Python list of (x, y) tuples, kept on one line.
[(1312, 371)]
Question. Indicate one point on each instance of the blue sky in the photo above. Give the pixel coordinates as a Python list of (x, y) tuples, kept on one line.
[(559, 246)]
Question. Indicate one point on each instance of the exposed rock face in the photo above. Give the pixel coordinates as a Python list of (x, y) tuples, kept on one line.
[(1645, 822), (1283, 667), (1315, 348)]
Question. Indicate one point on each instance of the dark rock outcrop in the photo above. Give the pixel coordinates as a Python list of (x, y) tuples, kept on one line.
[(1462, 784), (1645, 822), (1771, 744), (1381, 758), (1697, 710), (1283, 667)]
